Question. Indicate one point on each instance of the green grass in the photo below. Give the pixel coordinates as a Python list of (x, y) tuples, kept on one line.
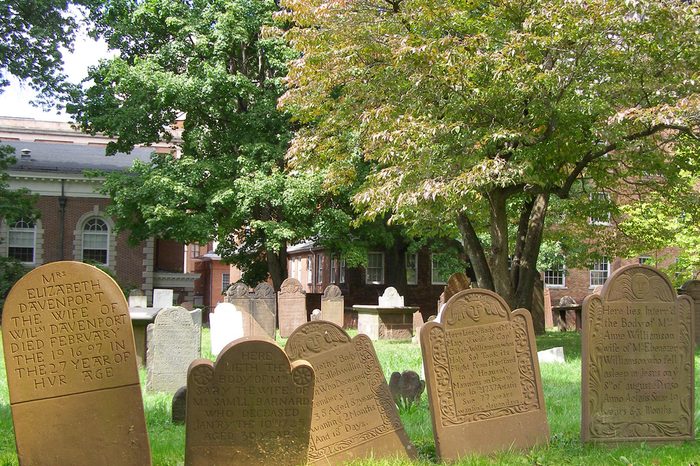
[(562, 392)]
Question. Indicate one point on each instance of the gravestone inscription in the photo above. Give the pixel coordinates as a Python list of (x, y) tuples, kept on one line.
[(252, 407), (483, 378), (354, 413), (637, 360), (71, 369), (333, 305), (292, 306)]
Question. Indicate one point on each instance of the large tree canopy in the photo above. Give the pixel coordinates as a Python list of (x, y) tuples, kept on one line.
[(482, 113)]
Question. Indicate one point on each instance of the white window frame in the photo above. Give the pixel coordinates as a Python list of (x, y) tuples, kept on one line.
[(309, 270), (341, 271), (225, 283), (107, 235), (319, 268), (334, 271), (414, 281), (558, 274), (434, 270), (599, 269), (370, 269), (13, 229)]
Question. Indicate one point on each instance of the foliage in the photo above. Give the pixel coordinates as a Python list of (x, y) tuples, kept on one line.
[(14, 204), (11, 270), (481, 114)]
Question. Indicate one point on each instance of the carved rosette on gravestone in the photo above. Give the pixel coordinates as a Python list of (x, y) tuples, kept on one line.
[(637, 360), (173, 343), (333, 305), (71, 369), (483, 378), (354, 413), (292, 306), (264, 311), (252, 407), (692, 288)]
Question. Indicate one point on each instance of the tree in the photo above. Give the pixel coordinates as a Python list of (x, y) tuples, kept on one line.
[(481, 114)]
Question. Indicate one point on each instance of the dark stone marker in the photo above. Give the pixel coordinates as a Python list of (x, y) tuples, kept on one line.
[(692, 289), (637, 360), (71, 369), (292, 306), (333, 305), (354, 414), (250, 408), (483, 377), (406, 387), (179, 406)]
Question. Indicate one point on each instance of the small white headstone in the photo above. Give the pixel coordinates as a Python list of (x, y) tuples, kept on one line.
[(138, 301), (226, 324), (316, 314), (551, 355), (162, 298), (391, 298)]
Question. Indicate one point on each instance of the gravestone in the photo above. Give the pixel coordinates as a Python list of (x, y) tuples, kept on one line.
[(354, 413), (196, 316), (162, 298), (637, 360), (483, 378), (292, 306), (551, 355), (456, 283), (258, 320), (406, 387), (264, 311), (71, 369), (417, 324), (226, 324), (137, 299), (173, 343), (391, 298), (548, 317), (333, 305), (692, 289), (316, 314), (537, 310), (253, 407), (179, 406)]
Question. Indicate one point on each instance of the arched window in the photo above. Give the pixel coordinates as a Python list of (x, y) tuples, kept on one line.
[(21, 240), (96, 241)]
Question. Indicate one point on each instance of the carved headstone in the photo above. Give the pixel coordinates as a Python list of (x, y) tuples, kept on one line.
[(483, 378), (456, 283), (354, 413), (264, 321), (391, 298), (637, 360), (162, 298), (251, 408), (316, 314), (406, 387), (292, 306), (179, 406), (71, 369), (226, 324), (692, 289), (173, 343), (333, 305)]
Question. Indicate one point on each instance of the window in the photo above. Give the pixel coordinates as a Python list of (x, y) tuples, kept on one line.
[(21, 239), (440, 269), (645, 260), (341, 272), (375, 268), (319, 268), (296, 268), (225, 281), (411, 269), (599, 271), (555, 276), (96, 241), (309, 270), (194, 250), (600, 201), (334, 269)]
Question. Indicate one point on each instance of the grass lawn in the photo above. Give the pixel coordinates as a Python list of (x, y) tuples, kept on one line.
[(562, 395)]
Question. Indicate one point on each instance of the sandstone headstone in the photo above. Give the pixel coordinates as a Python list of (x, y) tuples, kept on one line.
[(316, 314), (551, 355), (483, 378), (250, 408), (173, 343), (417, 324), (264, 311), (548, 317), (162, 298), (292, 306), (226, 324), (637, 360), (537, 310), (71, 369), (692, 289), (354, 413), (406, 387), (391, 298), (456, 283), (333, 305), (179, 406), (187, 305)]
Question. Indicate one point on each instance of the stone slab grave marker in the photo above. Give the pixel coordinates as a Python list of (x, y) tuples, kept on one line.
[(162, 298), (265, 310), (292, 306), (483, 378), (456, 283), (637, 360), (354, 412), (173, 343), (391, 298), (333, 305), (137, 299), (71, 369), (692, 288), (179, 406), (251, 407), (226, 324)]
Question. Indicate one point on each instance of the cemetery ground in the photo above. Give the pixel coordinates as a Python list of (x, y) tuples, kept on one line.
[(562, 392)]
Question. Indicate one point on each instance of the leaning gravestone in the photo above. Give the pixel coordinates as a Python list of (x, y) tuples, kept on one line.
[(71, 369), (692, 289), (637, 360), (173, 343), (292, 306), (226, 324), (483, 378), (354, 413), (252, 407), (333, 305)]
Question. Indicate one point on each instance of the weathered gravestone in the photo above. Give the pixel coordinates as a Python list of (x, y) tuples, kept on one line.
[(162, 298), (258, 309), (252, 407), (483, 378), (71, 369), (173, 343), (637, 361), (406, 387), (692, 289), (456, 283), (354, 413), (391, 298), (137, 299), (316, 315), (292, 306), (226, 324), (333, 305), (179, 406)]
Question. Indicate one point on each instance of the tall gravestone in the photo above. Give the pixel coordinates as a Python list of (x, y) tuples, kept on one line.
[(692, 289), (252, 407), (333, 305), (226, 324), (173, 343), (637, 360), (264, 310), (71, 369), (292, 306), (354, 412), (483, 378)]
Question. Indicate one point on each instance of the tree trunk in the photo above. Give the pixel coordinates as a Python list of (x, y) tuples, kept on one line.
[(277, 266), (475, 252), (499, 246), (396, 265)]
